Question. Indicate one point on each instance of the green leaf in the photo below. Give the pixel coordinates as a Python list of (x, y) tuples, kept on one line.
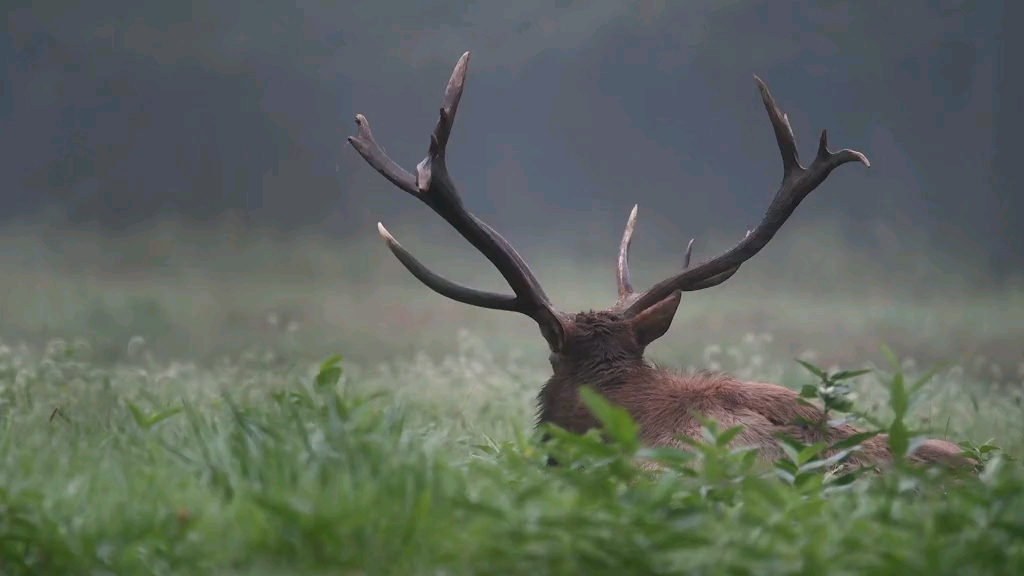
[(615, 420), (899, 439), (328, 378), (840, 405), (666, 455), (710, 426), (890, 357), (769, 491), (330, 362), (786, 466), (813, 369), (147, 421), (790, 446), (827, 462), (847, 374), (808, 391), (899, 399), (141, 419), (726, 436), (330, 372), (809, 452), (749, 456), (855, 440), (809, 483), (689, 441), (785, 470), (163, 415)]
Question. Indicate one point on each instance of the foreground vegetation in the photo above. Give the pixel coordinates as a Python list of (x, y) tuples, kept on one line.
[(424, 467), (164, 410)]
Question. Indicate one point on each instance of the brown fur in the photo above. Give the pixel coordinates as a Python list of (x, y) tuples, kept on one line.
[(602, 351), (605, 350)]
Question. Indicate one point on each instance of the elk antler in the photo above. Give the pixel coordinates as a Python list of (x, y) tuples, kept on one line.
[(434, 187), (797, 183), (626, 294)]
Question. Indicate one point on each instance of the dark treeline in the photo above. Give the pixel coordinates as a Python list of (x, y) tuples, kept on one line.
[(131, 136), (120, 112)]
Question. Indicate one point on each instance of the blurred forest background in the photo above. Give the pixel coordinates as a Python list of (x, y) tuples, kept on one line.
[(178, 171)]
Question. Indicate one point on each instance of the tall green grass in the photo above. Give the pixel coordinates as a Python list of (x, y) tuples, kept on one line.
[(431, 466), (164, 409)]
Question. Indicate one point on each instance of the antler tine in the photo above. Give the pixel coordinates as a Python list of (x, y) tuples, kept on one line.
[(368, 148), (797, 183), (442, 285), (626, 293), (433, 185), (622, 268), (714, 280)]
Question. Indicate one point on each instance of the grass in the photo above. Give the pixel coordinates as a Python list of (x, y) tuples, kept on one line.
[(431, 467), (170, 422)]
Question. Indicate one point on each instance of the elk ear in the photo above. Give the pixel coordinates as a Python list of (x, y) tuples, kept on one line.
[(554, 330), (653, 322)]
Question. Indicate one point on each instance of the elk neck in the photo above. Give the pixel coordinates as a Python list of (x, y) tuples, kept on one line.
[(609, 373)]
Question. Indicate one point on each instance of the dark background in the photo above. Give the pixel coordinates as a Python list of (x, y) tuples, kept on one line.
[(114, 114)]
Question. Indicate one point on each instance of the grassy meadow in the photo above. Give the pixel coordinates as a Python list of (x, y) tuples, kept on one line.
[(175, 405)]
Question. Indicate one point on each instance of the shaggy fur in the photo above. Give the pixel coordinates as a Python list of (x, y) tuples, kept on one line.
[(602, 351)]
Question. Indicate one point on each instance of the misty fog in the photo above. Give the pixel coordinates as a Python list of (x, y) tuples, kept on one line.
[(189, 160)]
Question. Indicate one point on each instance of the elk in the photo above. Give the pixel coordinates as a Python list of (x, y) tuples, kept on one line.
[(604, 349)]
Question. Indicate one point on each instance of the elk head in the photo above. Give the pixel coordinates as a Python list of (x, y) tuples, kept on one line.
[(587, 341)]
